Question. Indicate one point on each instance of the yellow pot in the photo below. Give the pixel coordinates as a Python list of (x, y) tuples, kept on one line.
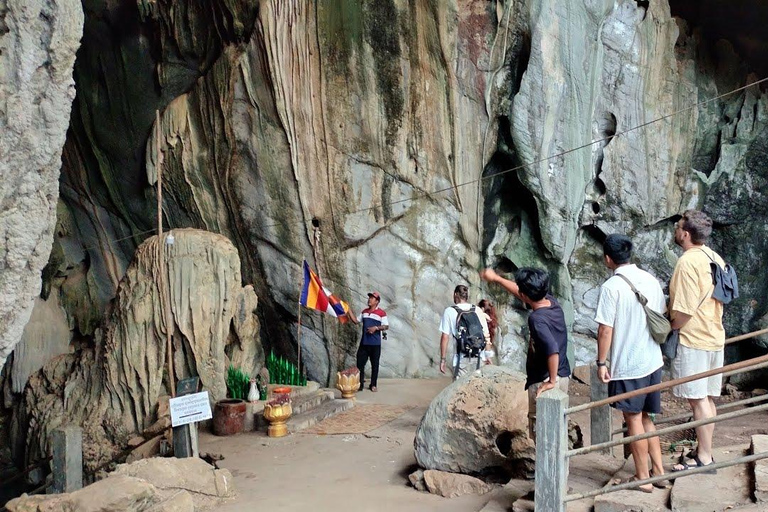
[(276, 415), (348, 384)]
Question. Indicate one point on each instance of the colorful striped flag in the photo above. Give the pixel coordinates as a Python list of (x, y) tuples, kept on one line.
[(316, 296)]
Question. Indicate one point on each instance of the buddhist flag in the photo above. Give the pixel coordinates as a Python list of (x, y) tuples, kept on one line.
[(316, 296)]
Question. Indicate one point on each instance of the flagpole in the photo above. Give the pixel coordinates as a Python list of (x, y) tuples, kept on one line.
[(298, 330)]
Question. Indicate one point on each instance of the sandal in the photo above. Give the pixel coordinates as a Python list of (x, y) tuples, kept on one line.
[(699, 464), (661, 484), (373, 388)]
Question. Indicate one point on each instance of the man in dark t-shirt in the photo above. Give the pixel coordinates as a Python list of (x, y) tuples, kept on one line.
[(547, 364)]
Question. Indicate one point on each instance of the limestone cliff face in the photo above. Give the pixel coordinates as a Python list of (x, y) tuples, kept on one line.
[(112, 388), (321, 131), (38, 41), (291, 131), (599, 69)]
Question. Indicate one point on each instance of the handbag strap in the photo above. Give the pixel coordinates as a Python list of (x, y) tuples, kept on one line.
[(640, 297)]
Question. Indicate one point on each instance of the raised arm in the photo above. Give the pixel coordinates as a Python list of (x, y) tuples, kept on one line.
[(491, 276)]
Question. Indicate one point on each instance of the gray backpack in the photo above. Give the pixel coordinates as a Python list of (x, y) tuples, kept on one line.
[(658, 324)]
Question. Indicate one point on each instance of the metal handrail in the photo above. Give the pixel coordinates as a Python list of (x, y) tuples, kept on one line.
[(660, 478), (741, 337), (731, 369), (667, 430), (751, 368), (741, 365), (686, 416)]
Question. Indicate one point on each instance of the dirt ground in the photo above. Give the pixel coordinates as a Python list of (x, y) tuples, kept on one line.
[(370, 472)]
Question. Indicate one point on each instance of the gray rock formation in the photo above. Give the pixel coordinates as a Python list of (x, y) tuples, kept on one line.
[(453, 485), (38, 41), (113, 389), (320, 131), (599, 69), (478, 424)]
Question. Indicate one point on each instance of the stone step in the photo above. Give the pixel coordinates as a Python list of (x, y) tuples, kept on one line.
[(729, 489), (303, 403), (300, 404), (318, 414), (760, 469)]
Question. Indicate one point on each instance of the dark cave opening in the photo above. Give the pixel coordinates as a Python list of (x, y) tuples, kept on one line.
[(508, 199), (741, 23)]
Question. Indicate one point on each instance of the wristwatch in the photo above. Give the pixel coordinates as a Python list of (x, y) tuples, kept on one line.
[(599, 364)]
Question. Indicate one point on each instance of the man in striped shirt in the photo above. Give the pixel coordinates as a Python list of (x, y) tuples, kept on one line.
[(374, 321)]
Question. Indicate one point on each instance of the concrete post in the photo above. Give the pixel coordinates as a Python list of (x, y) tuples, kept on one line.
[(551, 484), (600, 417), (67, 445)]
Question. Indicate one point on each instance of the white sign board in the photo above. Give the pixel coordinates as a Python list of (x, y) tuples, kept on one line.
[(190, 408)]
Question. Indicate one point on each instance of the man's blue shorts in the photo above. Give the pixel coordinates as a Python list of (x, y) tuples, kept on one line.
[(650, 403)]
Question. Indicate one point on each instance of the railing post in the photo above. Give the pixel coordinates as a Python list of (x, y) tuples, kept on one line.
[(67, 445), (551, 483), (600, 417)]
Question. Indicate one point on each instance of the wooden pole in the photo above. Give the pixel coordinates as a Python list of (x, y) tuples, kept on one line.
[(298, 330), (162, 287), (298, 339)]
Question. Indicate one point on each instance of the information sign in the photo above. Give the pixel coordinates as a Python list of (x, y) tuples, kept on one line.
[(190, 408)]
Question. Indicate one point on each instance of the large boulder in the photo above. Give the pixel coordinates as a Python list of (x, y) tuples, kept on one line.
[(478, 425), (180, 485), (110, 495), (191, 474)]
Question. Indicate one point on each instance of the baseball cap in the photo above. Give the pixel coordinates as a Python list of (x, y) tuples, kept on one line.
[(375, 295)]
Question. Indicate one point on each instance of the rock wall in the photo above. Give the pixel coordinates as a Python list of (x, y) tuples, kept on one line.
[(596, 71), (112, 389), (322, 131), (290, 132), (38, 41)]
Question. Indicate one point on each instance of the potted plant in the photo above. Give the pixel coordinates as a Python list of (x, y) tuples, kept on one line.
[(229, 414), (276, 412), (348, 381)]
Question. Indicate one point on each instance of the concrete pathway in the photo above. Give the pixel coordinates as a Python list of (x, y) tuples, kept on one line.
[(341, 472)]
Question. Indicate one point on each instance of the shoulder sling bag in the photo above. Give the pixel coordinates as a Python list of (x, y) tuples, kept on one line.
[(658, 324)]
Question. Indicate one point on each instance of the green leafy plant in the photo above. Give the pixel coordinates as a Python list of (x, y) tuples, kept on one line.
[(238, 383)]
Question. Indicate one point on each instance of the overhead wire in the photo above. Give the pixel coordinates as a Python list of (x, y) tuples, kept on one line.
[(500, 173), (544, 159)]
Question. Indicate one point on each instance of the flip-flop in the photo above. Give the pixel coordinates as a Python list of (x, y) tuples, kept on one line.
[(632, 479), (373, 388), (661, 484), (638, 488)]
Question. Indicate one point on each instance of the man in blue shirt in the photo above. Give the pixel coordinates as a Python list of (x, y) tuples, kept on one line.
[(374, 321)]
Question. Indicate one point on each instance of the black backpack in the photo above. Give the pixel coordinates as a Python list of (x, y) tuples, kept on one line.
[(470, 338), (725, 281)]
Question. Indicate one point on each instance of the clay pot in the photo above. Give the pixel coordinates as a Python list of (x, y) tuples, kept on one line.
[(228, 417)]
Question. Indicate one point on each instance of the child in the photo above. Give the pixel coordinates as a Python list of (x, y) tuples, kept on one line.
[(493, 323)]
